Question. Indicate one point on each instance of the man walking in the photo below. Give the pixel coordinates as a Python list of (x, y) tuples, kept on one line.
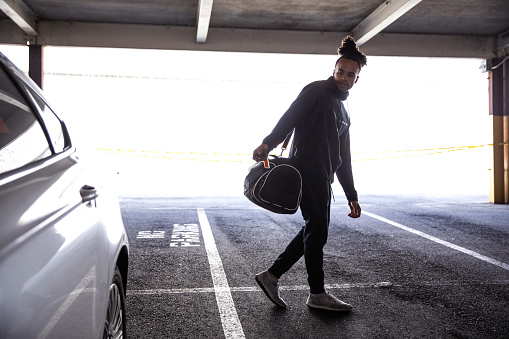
[(324, 152)]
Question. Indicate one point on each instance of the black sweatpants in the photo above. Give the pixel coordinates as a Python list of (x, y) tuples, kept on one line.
[(309, 242)]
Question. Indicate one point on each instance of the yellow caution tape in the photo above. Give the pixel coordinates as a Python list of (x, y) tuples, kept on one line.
[(232, 157)]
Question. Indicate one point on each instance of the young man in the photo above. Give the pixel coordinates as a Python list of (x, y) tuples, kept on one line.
[(325, 152)]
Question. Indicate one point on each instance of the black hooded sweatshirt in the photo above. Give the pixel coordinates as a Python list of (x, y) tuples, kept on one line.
[(326, 149)]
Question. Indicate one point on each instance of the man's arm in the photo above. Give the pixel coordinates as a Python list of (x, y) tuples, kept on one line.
[(303, 105), (345, 177)]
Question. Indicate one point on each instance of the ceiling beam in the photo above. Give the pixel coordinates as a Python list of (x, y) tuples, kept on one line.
[(503, 44), (203, 20), (21, 14), (64, 33), (383, 16)]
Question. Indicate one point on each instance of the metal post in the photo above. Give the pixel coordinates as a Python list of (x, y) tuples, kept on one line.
[(499, 111), (35, 64), (505, 122)]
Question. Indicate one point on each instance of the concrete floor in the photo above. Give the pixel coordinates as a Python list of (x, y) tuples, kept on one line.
[(433, 268)]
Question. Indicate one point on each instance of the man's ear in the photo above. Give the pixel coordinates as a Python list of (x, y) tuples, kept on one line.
[(358, 76)]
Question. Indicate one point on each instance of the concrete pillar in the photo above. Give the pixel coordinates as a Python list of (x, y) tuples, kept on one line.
[(36, 64), (499, 112)]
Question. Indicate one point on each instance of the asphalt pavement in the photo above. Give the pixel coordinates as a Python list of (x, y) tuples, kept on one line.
[(411, 266)]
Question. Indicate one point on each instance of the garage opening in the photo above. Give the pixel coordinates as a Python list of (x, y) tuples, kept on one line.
[(184, 123)]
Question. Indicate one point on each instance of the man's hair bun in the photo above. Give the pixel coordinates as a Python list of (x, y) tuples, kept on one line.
[(349, 50)]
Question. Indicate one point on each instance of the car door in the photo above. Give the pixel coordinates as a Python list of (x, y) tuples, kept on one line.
[(53, 246)]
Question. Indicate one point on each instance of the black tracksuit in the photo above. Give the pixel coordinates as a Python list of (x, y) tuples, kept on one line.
[(325, 152)]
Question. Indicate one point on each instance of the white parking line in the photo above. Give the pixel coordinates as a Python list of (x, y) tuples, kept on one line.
[(257, 289), (440, 241), (229, 318), (383, 284)]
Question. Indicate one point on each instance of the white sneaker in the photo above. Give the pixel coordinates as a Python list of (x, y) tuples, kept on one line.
[(270, 286), (327, 301)]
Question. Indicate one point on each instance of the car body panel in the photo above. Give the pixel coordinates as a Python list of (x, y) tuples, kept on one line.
[(59, 244)]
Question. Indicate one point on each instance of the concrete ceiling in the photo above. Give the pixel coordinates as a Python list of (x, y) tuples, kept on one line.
[(445, 28)]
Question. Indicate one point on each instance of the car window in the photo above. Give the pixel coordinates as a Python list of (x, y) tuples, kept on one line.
[(22, 139), (53, 124)]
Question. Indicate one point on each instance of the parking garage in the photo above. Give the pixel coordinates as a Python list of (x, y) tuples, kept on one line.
[(414, 267)]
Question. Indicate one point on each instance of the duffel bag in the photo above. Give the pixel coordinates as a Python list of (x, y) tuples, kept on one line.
[(275, 185)]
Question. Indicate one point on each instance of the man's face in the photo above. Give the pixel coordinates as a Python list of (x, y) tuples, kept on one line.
[(346, 74)]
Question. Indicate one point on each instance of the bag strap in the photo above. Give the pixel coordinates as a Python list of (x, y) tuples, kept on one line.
[(309, 124), (285, 143)]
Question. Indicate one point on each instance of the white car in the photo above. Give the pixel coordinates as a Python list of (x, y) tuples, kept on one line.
[(63, 246)]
